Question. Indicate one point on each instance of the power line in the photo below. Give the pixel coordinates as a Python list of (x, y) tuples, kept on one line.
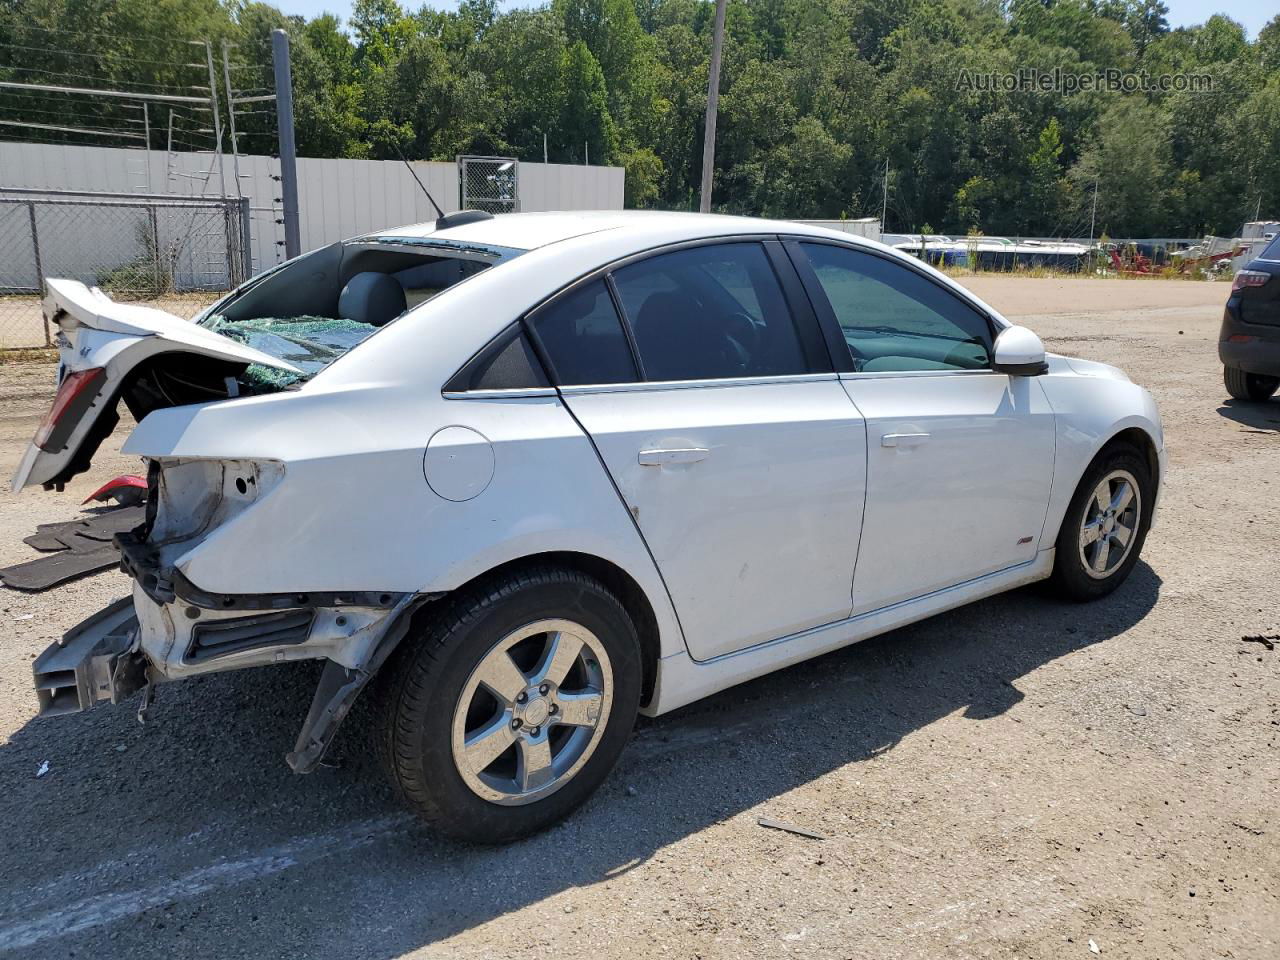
[(89, 91), (90, 56), (91, 76), (93, 131), (79, 34)]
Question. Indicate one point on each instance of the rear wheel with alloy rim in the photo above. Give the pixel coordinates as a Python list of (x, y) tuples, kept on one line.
[(513, 705), (1105, 525)]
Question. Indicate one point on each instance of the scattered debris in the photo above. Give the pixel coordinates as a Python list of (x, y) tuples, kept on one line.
[(75, 548), (632, 791), (128, 491), (44, 768), (1267, 641), (789, 828), (1093, 947), (25, 616), (1137, 709)]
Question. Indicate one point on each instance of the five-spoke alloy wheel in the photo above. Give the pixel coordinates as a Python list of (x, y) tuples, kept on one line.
[(512, 703), (1111, 520), (530, 714), (1105, 524)]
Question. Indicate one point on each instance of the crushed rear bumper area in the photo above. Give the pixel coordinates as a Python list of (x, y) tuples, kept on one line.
[(96, 660)]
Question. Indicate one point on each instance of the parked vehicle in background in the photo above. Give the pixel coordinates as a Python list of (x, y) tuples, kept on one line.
[(1249, 342), (535, 473)]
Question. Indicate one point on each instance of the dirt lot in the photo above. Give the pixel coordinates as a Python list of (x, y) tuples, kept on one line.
[(1015, 779)]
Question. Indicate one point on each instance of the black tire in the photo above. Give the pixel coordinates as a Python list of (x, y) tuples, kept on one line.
[(1252, 387), (1070, 578), (419, 689)]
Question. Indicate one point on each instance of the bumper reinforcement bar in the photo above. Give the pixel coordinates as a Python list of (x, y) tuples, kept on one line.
[(91, 663)]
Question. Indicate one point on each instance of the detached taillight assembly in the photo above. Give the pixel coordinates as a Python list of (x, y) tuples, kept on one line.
[(75, 395), (1248, 279)]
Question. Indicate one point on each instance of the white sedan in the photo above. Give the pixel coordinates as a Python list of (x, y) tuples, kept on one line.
[(533, 474)]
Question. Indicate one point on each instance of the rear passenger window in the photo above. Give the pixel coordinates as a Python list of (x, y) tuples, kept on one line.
[(710, 312), (583, 339)]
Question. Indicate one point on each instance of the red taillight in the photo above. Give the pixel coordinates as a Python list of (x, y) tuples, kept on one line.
[(1249, 278), (76, 392)]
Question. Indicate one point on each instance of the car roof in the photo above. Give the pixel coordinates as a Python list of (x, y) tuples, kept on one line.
[(529, 231)]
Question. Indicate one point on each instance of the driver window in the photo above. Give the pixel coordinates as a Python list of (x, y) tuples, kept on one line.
[(710, 312), (892, 318)]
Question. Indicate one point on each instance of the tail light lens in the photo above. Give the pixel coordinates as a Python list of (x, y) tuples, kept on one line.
[(1249, 278), (75, 395)]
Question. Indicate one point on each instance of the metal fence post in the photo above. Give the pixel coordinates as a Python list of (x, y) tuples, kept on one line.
[(246, 250), (288, 153), (35, 247), (155, 249)]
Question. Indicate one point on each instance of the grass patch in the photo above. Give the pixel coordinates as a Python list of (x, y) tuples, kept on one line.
[(28, 355)]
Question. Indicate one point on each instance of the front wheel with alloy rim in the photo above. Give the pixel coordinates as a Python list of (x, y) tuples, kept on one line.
[(513, 705), (1106, 524)]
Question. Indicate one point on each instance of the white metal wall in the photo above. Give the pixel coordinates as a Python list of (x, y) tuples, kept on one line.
[(336, 198)]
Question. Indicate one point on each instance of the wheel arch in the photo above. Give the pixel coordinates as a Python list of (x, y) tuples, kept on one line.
[(620, 583), (1135, 437), (1132, 435)]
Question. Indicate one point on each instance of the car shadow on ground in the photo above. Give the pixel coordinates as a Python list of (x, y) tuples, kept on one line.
[(1259, 416), (188, 835)]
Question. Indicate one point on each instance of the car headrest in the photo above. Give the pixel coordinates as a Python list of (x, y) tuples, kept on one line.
[(373, 298)]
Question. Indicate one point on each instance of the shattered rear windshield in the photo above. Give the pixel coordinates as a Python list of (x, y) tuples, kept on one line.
[(300, 311), (309, 343)]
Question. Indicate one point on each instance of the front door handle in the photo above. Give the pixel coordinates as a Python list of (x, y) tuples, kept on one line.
[(656, 458), (903, 439)]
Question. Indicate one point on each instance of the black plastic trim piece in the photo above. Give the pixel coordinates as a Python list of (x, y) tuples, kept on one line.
[(220, 638), (1037, 369), (460, 217)]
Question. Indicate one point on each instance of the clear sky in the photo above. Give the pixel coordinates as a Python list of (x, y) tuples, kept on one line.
[(1182, 13)]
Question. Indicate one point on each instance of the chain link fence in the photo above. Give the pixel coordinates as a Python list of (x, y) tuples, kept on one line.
[(170, 253), (491, 184)]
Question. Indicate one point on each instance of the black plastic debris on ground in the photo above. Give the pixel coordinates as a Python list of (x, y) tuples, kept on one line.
[(1269, 641), (75, 548)]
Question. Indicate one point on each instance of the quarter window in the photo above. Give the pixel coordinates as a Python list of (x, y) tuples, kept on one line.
[(582, 336), (710, 312), (893, 318)]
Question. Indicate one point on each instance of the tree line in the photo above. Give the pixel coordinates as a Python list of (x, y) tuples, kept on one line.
[(819, 98)]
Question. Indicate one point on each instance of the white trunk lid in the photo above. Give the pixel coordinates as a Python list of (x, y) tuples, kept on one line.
[(96, 333)]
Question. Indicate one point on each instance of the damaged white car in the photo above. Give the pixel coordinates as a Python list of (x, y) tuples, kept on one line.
[(531, 474)]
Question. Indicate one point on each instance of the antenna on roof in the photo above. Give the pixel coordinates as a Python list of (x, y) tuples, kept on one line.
[(421, 185)]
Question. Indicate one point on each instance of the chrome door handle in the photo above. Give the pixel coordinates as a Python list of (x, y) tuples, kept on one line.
[(903, 439), (656, 458)]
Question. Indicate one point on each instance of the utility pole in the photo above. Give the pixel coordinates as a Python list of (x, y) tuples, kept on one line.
[(884, 203), (713, 104), (544, 148), (288, 153), (1093, 217)]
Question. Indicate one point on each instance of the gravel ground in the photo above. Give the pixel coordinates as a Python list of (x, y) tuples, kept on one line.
[(1016, 779)]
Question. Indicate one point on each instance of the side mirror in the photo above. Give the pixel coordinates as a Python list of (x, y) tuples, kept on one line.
[(1019, 353)]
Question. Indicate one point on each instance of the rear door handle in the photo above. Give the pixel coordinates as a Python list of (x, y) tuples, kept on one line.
[(903, 439), (656, 458)]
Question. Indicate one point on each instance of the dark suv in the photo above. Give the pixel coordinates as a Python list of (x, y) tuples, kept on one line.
[(1249, 344)]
